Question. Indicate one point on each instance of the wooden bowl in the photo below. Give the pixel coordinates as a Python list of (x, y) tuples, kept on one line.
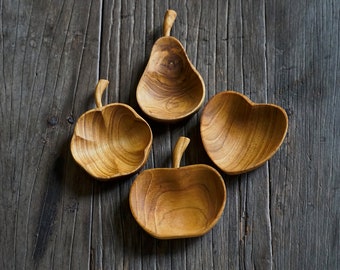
[(112, 140), (178, 202), (170, 88), (240, 135)]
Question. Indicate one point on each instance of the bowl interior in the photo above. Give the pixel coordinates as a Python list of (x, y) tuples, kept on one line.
[(170, 87), (111, 141), (240, 135), (177, 203)]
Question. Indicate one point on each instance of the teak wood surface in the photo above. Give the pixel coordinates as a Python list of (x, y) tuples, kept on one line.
[(53, 215), (170, 89), (178, 202), (110, 141)]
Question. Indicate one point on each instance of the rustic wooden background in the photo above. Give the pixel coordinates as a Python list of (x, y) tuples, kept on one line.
[(284, 215)]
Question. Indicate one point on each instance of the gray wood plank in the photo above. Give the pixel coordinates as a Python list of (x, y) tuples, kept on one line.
[(49, 60), (303, 73), (257, 242)]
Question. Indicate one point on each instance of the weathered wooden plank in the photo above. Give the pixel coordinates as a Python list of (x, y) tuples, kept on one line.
[(256, 221), (231, 229), (49, 55), (303, 73)]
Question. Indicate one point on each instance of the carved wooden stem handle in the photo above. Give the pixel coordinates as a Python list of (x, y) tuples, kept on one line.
[(169, 19), (101, 86), (179, 149)]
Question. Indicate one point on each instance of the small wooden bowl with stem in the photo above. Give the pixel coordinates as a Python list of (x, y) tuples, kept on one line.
[(240, 135), (170, 88), (178, 202), (111, 141)]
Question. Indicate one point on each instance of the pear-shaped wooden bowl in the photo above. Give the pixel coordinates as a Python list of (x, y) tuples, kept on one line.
[(178, 202), (240, 135), (112, 140), (170, 88)]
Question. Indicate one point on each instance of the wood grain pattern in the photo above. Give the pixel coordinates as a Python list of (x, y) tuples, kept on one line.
[(240, 135), (170, 88), (111, 141), (283, 215), (178, 202)]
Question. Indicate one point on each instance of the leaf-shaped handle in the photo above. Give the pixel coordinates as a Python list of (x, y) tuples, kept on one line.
[(179, 149), (101, 86), (169, 19)]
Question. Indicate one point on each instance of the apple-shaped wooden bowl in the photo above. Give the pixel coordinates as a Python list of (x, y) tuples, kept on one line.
[(111, 141), (240, 135), (170, 88), (178, 202)]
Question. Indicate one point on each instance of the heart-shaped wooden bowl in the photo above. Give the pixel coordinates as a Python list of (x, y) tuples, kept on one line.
[(112, 140), (240, 135), (170, 88), (178, 202)]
